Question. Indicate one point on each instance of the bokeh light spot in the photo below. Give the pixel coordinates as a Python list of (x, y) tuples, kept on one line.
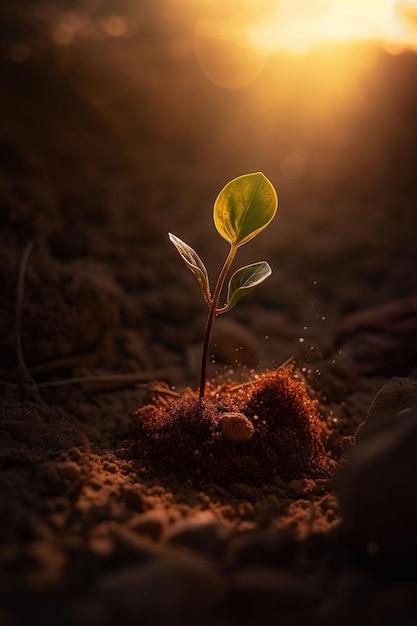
[(116, 26)]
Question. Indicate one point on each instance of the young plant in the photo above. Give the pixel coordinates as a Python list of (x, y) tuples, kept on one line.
[(243, 208)]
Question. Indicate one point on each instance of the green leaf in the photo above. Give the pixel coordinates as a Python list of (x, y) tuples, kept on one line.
[(194, 263), (244, 280), (244, 207)]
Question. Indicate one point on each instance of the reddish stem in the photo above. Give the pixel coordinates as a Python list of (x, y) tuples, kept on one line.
[(211, 316)]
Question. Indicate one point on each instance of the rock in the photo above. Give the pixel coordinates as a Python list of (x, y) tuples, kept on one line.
[(257, 594), (69, 470), (234, 344), (150, 524), (128, 546), (398, 394), (266, 549), (173, 589), (133, 498), (208, 536), (376, 489), (382, 339)]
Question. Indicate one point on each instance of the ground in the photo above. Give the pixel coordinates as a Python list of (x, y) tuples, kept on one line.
[(108, 143)]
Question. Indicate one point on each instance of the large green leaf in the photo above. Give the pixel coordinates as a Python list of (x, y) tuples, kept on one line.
[(244, 207), (244, 280), (194, 263)]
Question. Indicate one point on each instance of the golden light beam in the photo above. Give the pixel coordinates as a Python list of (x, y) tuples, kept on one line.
[(300, 25)]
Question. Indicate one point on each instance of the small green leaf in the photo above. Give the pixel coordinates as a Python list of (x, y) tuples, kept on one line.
[(244, 280), (244, 207), (194, 263)]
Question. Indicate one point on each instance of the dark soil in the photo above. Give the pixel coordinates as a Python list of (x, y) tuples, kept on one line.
[(108, 515)]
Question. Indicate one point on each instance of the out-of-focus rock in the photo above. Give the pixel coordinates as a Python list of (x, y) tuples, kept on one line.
[(377, 490), (234, 344), (262, 549), (382, 339), (258, 595), (150, 524), (204, 534), (176, 588), (396, 396)]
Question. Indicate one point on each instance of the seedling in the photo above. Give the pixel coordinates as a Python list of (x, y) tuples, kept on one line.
[(243, 208)]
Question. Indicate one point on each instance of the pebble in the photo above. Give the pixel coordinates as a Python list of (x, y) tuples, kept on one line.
[(376, 490), (236, 427)]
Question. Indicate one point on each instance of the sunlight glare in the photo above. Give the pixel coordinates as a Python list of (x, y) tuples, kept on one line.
[(300, 25), (232, 40)]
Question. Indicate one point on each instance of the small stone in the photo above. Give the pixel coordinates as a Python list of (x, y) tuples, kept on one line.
[(236, 427), (398, 394)]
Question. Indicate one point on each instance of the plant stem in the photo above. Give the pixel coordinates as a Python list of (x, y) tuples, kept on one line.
[(211, 316)]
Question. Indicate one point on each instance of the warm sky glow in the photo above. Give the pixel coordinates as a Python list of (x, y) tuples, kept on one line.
[(299, 25), (233, 38)]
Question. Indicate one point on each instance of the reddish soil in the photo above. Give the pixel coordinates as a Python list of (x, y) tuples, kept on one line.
[(107, 515), (246, 433)]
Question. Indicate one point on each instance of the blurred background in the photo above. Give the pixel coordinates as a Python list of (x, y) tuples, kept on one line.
[(129, 116)]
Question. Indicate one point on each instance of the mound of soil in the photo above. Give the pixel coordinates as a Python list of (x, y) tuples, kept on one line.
[(246, 433)]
